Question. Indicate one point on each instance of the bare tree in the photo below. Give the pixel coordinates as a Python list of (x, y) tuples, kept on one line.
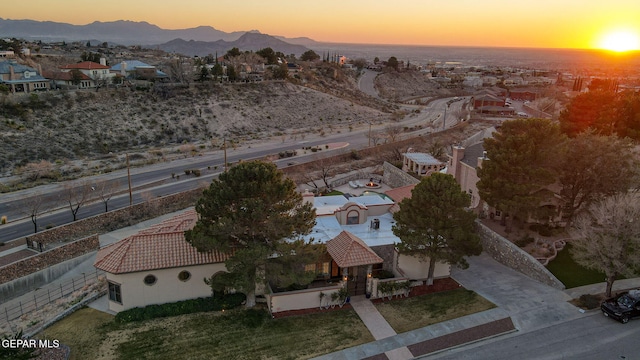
[(608, 237), (76, 194), (105, 191), (33, 206), (393, 132), (375, 137)]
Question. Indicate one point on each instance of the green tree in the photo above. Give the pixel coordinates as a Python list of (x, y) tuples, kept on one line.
[(232, 53), (309, 55), (250, 212), (434, 225), (269, 55), (280, 72), (523, 157), (203, 74), (393, 63), (217, 71), (594, 166), (231, 73), (607, 237), (592, 109)]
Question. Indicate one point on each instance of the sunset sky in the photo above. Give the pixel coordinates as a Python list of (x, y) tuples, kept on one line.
[(503, 23)]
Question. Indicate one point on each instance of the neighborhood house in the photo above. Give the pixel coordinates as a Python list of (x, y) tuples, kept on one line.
[(157, 265)]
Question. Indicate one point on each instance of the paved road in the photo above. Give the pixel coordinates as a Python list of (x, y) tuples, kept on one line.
[(593, 337), (548, 326), (366, 82)]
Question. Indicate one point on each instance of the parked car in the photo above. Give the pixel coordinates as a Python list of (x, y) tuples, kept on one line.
[(623, 307)]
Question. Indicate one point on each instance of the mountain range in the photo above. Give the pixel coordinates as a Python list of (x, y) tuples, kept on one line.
[(201, 40)]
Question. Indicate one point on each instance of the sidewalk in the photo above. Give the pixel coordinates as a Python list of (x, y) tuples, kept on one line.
[(523, 305)]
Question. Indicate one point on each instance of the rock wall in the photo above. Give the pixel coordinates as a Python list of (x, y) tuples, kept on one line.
[(48, 258), (387, 253), (395, 177), (507, 253)]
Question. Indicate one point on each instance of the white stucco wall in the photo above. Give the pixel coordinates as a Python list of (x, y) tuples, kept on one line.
[(168, 288), (300, 299), (415, 269)]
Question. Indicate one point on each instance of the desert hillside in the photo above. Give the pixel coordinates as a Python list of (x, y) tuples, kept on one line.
[(58, 126)]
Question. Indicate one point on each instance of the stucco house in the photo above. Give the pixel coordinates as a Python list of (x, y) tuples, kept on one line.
[(65, 79), (157, 265), (137, 70), (96, 72), (20, 78)]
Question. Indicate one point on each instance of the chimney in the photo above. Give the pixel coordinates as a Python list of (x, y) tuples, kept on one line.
[(11, 73), (40, 69), (458, 155), (123, 69), (103, 61)]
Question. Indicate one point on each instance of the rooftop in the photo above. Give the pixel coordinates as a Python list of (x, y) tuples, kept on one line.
[(423, 159), (85, 65), (158, 247)]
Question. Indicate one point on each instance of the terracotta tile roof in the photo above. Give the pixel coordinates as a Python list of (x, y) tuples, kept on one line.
[(61, 75), (158, 247), (401, 193), (349, 250), (85, 65)]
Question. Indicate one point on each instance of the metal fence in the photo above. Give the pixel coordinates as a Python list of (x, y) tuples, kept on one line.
[(45, 296)]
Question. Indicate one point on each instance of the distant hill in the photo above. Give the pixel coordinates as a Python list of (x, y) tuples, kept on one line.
[(247, 42), (120, 32)]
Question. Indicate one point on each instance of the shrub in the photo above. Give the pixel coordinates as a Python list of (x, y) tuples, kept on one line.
[(3, 219), (589, 301), (191, 306), (524, 241)]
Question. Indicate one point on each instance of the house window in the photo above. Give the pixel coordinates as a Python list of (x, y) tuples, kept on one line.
[(498, 213), (184, 275), (150, 280), (310, 268), (115, 293), (353, 218)]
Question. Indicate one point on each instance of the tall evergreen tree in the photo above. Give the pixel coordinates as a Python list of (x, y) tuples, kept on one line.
[(434, 225), (251, 212), (523, 156)]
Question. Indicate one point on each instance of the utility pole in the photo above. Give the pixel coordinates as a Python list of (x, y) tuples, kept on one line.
[(224, 146), (129, 179), (444, 118)]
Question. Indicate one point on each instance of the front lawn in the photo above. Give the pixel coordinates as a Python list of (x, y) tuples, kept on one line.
[(570, 273), (236, 334), (419, 311)]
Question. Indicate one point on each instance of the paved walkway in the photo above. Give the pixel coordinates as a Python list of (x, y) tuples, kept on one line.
[(528, 304), (378, 326)]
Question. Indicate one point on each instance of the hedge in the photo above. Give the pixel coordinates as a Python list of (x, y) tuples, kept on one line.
[(207, 304)]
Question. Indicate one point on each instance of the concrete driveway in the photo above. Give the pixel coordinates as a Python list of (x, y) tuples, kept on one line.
[(530, 304)]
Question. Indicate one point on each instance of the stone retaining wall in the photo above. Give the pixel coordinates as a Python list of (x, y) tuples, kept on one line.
[(116, 219), (507, 253), (48, 258), (395, 177)]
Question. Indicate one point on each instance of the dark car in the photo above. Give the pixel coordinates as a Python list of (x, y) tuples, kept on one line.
[(623, 307)]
